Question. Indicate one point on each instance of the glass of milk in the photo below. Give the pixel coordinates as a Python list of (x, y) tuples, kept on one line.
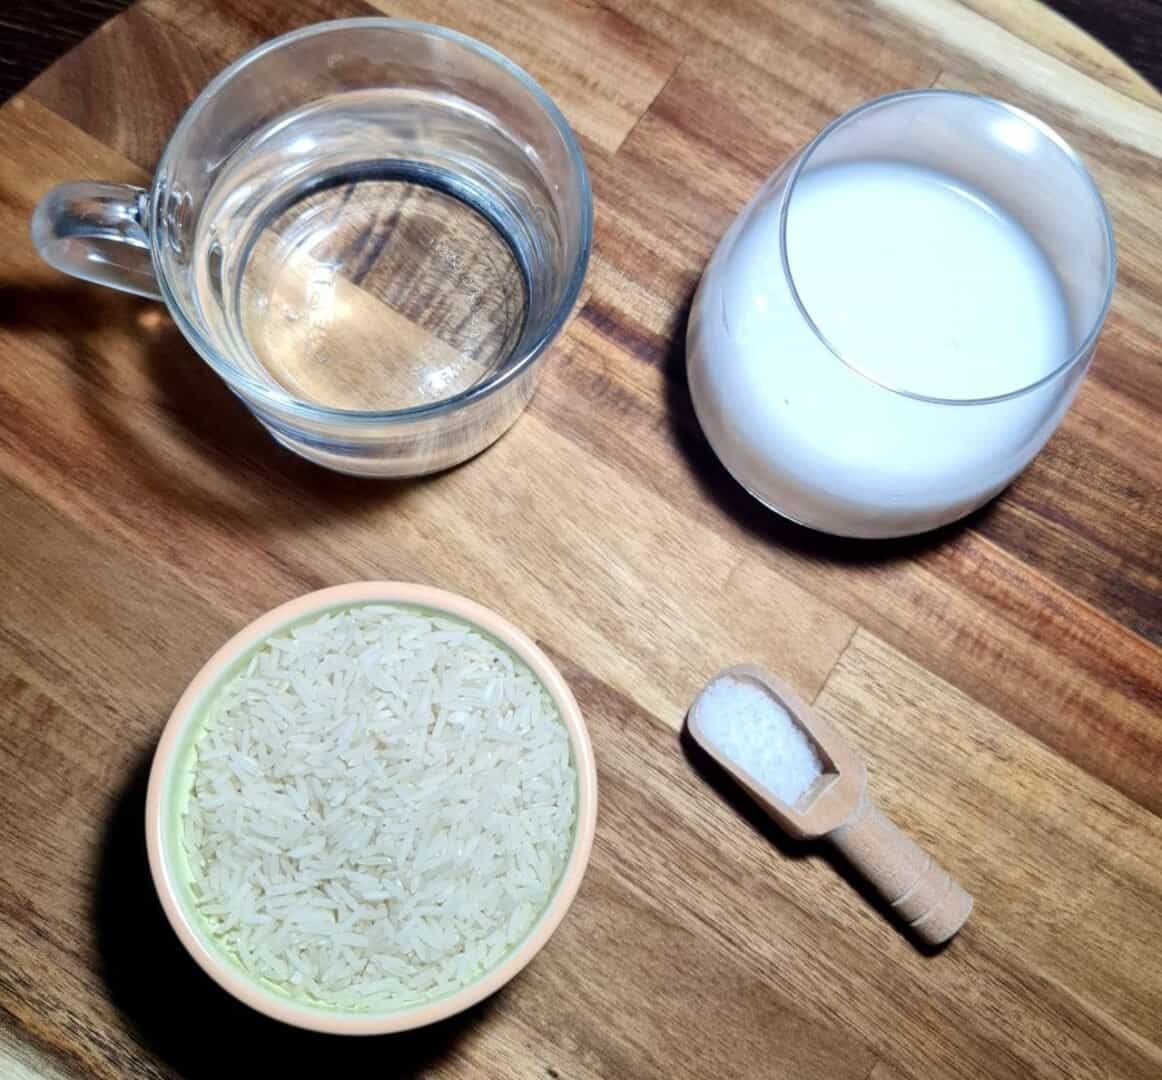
[(897, 322)]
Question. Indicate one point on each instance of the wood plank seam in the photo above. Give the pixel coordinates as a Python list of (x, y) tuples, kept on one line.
[(949, 679), (646, 111), (838, 660), (1146, 1048), (1052, 587)]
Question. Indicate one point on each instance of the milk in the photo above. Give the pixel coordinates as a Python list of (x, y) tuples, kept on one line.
[(926, 288)]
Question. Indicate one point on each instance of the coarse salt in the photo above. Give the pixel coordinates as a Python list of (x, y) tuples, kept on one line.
[(754, 731)]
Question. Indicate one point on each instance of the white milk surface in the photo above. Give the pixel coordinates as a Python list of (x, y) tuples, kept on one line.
[(922, 285)]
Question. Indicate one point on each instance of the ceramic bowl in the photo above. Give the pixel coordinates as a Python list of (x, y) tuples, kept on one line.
[(168, 789)]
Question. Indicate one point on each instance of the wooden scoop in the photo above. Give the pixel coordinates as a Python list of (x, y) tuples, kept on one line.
[(837, 806)]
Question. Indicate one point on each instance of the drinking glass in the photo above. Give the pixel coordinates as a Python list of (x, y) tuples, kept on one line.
[(814, 415), (371, 229)]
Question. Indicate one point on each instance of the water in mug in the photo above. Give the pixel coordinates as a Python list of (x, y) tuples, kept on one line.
[(348, 256)]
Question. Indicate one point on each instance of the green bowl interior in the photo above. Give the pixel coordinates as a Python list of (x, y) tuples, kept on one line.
[(178, 784)]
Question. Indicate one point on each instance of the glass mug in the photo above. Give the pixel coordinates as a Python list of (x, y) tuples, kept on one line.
[(898, 320), (371, 229)]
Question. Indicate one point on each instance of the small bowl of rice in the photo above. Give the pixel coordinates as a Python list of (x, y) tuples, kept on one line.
[(371, 808)]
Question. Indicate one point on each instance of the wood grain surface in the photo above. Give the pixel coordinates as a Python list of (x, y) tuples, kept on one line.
[(33, 33), (1003, 677)]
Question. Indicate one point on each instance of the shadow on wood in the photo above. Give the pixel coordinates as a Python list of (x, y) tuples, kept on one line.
[(198, 411), (183, 1019)]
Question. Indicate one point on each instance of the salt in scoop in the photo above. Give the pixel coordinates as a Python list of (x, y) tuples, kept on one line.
[(802, 772)]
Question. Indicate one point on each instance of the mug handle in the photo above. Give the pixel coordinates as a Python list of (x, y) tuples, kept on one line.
[(97, 232)]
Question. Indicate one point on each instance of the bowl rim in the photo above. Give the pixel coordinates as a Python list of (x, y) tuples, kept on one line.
[(248, 990)]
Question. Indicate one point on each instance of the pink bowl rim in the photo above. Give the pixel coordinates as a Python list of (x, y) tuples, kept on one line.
[(338, 1022)]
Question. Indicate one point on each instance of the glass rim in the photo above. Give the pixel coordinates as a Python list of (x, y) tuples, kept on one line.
[(1083, 349), (275, 398)]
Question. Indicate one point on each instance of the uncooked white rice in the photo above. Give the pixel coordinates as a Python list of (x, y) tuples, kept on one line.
[(382, 803)]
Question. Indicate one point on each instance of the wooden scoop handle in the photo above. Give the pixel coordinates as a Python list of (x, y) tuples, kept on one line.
[(919, 889)]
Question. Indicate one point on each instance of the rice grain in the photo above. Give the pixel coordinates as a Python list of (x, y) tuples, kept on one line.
[(382, 804)]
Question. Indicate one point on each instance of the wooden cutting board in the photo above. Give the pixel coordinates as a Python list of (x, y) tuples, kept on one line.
[(1003, 679)]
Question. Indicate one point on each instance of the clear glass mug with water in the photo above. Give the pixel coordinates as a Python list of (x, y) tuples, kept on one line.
[(899, 319), (371, 229)]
